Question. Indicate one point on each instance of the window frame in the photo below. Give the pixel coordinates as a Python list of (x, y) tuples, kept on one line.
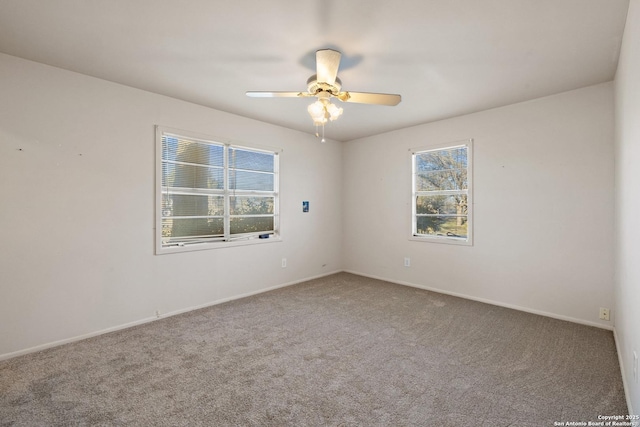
[(468, 241), (227, 240)]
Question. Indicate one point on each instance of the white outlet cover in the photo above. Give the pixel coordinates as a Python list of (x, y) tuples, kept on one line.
[(604, 313)]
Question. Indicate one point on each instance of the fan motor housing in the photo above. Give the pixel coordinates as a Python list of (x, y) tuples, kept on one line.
[(314, 86)]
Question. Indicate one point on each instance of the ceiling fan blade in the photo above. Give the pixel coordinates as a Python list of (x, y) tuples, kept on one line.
[(370, 98), (260, 94), (327, 64)]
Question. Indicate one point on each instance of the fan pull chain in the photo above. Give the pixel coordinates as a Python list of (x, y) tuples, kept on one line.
[(318, 133)]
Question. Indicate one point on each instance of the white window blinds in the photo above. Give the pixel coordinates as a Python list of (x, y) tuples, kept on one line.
[(215, 192)]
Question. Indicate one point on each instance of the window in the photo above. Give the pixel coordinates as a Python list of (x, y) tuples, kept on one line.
[(210, 193), (442, 193)]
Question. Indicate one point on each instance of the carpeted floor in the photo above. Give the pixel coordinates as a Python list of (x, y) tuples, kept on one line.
[(343, 350)]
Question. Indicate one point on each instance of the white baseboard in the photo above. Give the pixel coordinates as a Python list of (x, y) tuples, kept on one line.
[(247, 294), (622, 372), (487, 301), (244, 295), (74, 339), (153, 318)]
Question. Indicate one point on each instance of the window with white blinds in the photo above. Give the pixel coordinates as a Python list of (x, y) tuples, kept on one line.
[(442, 193), (210, 192)]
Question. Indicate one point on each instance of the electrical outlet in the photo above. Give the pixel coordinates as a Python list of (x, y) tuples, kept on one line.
[(635, 366), (158, 314), (284, 262), (604, 313), (407, 262)]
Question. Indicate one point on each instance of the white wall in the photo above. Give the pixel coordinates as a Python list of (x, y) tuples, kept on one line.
[(77, 172), (77, 167), (627, 184), (543, 230)]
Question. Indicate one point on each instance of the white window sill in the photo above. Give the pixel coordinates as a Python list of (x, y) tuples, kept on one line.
[(216, 245), (442, 239)]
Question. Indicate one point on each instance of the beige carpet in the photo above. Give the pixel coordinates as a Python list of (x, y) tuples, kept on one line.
[(337, 351)]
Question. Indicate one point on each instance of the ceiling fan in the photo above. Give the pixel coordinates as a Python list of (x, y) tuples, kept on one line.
[(325, 85)]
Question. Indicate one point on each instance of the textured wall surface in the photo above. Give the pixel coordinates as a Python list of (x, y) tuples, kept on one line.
[(78, 215), (627, 289), (543, 207)]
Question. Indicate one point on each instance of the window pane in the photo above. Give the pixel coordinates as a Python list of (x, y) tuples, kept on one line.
[(441, 169), (242, 180), (250, 160), (188, 151), (441, 183), (210, 190), (192, 227), (449, 179), (247, 205), (442, 204), (191, 176), (450, 158), (191, 205), (455, 226), (251, 225)]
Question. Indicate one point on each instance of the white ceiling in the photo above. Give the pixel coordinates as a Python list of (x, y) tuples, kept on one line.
[(445, 57)]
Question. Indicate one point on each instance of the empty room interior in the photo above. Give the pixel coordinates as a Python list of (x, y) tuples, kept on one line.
[(320, 212)]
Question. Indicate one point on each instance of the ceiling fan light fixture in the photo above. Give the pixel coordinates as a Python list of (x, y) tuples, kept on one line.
[(325, 85), (318, 113), (334, 112), (319, 121), (316, 109), (322, 110)]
